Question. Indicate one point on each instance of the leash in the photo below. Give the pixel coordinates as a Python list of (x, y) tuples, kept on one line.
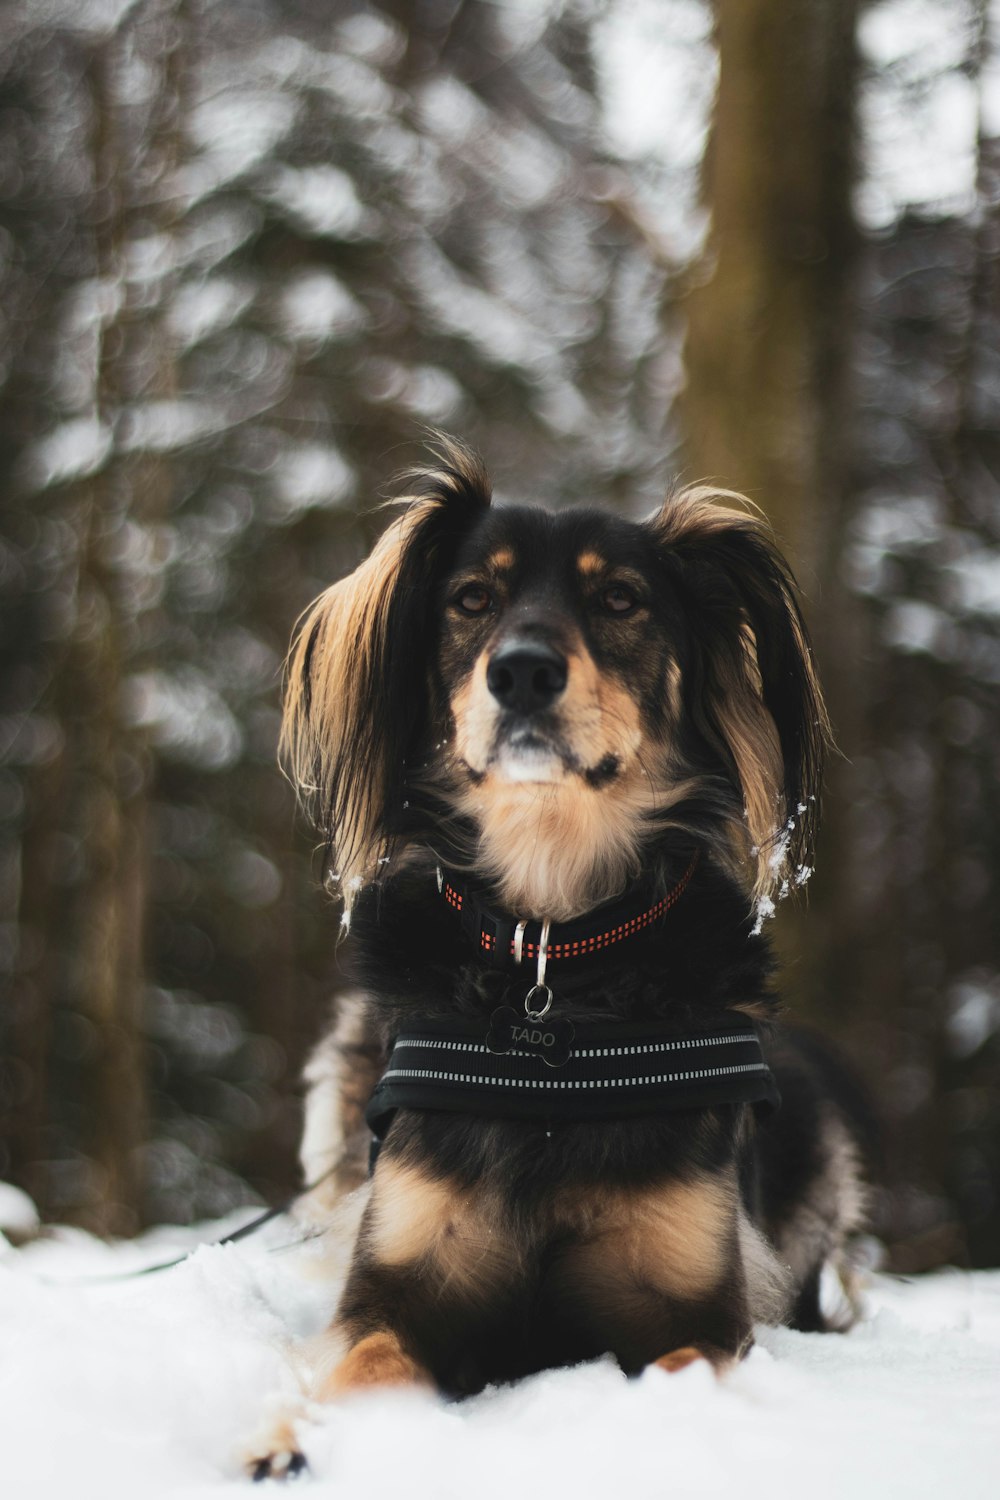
[(244, 1232)]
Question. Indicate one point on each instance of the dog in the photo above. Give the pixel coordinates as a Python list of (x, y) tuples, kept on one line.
[(563, 764)]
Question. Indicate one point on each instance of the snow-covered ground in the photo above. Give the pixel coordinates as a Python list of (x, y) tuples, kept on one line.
[(148, 1388)]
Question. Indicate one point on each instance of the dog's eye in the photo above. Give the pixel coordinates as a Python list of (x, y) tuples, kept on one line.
[(619, 599), (474, 599)]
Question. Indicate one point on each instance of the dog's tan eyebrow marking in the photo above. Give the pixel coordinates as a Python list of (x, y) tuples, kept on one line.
[(501, 560), (590, 563)]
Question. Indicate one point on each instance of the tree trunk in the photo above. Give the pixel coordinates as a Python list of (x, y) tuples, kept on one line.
[(109, 759), (766, 408), (763, 343)]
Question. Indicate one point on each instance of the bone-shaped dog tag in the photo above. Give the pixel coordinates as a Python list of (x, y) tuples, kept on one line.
[(513, 1031)]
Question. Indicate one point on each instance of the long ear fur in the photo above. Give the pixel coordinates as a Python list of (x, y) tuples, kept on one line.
[(356, 688), (752, 690)]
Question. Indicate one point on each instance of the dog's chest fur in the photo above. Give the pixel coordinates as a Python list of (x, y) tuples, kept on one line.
[(410, 956)]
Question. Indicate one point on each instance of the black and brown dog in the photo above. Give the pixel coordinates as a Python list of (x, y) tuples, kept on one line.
[(584, 731)]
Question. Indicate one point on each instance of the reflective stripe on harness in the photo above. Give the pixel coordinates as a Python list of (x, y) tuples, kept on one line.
[(612, 1071)]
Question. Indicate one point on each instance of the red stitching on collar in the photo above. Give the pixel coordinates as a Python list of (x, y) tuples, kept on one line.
[(579, 947)]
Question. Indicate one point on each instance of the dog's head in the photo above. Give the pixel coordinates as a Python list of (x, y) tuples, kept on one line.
[(557, 689)]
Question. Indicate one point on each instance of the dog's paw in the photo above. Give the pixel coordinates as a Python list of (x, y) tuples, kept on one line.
[(678, 1359), (717, 1360), (276, 1452), (289, 1463)]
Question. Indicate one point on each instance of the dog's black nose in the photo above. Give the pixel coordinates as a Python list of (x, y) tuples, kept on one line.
[(526, 676)]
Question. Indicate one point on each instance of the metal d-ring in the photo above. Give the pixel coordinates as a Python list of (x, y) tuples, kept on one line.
[(538, 989)]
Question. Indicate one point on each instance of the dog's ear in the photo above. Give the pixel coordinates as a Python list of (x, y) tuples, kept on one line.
[(356, 688), (752, 691)]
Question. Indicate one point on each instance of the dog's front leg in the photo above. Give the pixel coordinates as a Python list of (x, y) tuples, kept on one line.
[(430, 1257), (377, 1359)]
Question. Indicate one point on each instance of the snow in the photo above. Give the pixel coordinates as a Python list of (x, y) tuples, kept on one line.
[(458, 307), (310, 474), (919, 110), (657, 73), (974, 1017), (323, 200), (164, 426), (152, 1387), (18, 1215), (187, 717), (975, 582), (205, 307), (373, 37), (71, 451), (424, 390), (657, 81), (913, 626), (214, 234), (316, 306), (238, 128)]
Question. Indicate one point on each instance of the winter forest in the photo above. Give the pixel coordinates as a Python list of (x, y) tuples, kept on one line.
[(250, 250)]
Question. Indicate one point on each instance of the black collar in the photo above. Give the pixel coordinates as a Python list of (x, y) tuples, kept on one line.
[(610, 1070), (509, 941)]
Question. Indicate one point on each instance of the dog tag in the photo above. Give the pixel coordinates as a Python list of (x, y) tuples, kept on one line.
[(513, 1031)]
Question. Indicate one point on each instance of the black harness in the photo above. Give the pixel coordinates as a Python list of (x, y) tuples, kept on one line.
[(527, 1065), (612, 1071)]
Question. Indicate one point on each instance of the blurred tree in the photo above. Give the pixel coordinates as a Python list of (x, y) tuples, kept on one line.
[(770, 320), (764, 348), (847, 381), (247, 252), (909, 951), (253, 250)]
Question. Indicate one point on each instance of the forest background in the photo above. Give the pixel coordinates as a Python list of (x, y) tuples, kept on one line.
[(249, 249)]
